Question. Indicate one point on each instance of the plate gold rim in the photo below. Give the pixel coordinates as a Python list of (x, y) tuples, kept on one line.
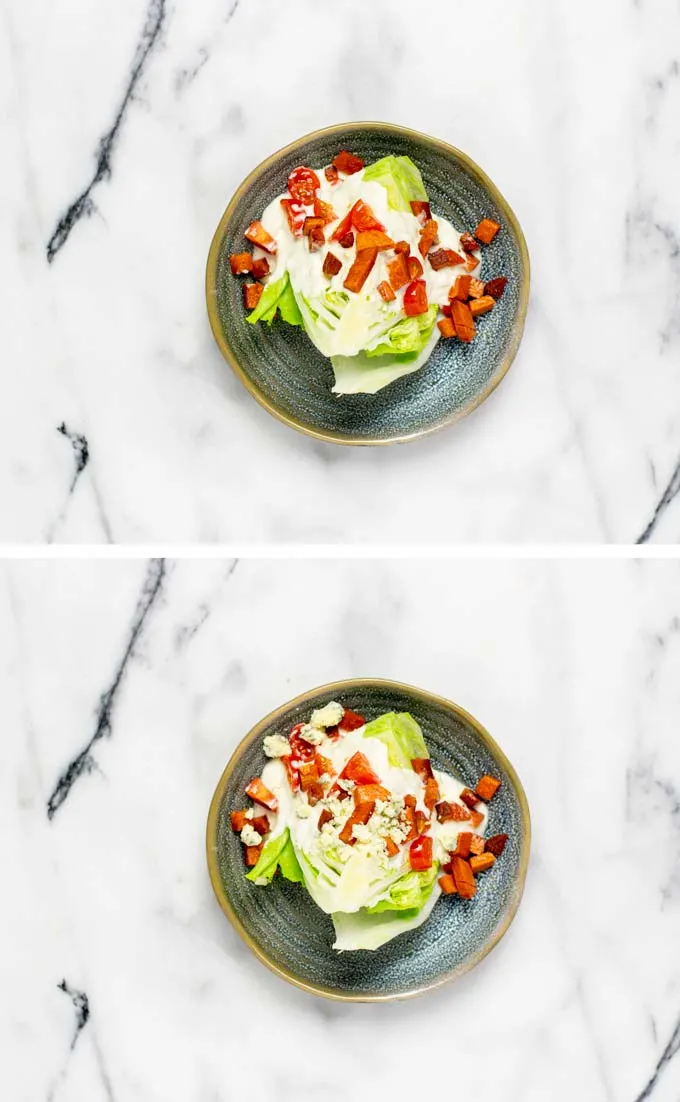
[(330, 689), (347, 438)]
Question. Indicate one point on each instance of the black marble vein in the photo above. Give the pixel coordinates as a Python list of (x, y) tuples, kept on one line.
[(82, 206), (672, 490), (83, 762), (184, 76), (186, 632), (81, 451), (81, 1005), (671, 1050)]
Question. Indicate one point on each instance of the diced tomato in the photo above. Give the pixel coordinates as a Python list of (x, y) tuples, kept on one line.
[(363, 217), (420, 853), (351, 721), (423, 767), (303, 183), (361, 814), (259, 236), (446, 311), (415, 268), (292, 773), (348, 163), (238, 820), (358, 769), (324, 210), (296, 214), (261, 795), (421, 209), (343, 227), (324, 765), (415, 298), (366, 792), (301, 750), (261, 824), (422, 823)]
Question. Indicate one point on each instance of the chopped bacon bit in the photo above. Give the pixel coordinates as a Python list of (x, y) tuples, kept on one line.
[(260, 267), (385, 291), (464, 878), (311, 224), (397, 272), (241, 263), (361, 814), (460, 814), (324, 210), (351, 721), (261, 824), (402, 247), (324, 817), (468, 243), (252, 855), (347, 240), (295, 214), (483, 305), (469, 797), (331, 174), (367, 792), (483, 862), (446, 328), (252, 293), (447, 884), (462, 844), (420, 853), (421, 209), (358, 273), (487, 230), (487, 787), (496, 287), (446, 310), (429, 236), (260, 794), (444, 811), (348, 163), (309, 782), (415, 268), (422, 823), (461, 288), (415, 298), (496, 844), (303, 183), (358, 769), (324, 765), (476, 844), (316, 239), (423, 767), (432, 794), (373, 239), (463, 321), (410, 817), (392, 847), (476, 288), (471, 262), (259, 236), (238, 820), (444, 258), (363, 217), (331, 265), (476, 818)]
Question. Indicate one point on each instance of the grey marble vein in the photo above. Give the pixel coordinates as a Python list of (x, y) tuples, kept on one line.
[(670, 493), (671, 1050)]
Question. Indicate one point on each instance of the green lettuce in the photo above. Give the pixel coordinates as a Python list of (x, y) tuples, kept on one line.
[(277, 853), (401, 179), (367, 373), (401, 735), (366, 930), (277, 296), (410, 893), (410, 335)]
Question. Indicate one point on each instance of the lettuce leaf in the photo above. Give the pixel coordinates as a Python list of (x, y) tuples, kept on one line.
[(277, 853), (401, 179), (410, 892), (401, 735), (277, 296), (364, 930), (408, 335)]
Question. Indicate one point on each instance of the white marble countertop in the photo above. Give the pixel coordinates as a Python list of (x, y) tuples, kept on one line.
[(126, 127), (124, 688)]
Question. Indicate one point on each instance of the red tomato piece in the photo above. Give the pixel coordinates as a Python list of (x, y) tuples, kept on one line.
[(301, 751), (344, 226), (292, 773), (358, 769), (363, 217), (351, 721), (415, 298), (303, 183), (348, 162), (420, 853), (324, 210), (296, 214)]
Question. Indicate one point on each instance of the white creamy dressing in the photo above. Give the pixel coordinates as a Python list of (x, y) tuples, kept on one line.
[(305, 267)]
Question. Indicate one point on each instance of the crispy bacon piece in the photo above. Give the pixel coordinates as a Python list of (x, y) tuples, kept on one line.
[(476, 818), (373, 239), (260, 794), (487, 787), (324, 210), (415, 268), (347, 240), (471, 262), (415, 298), (463, 877), (324, 817), (311, 224), (260, 267), (252, 855), (421, 822), (483, 305), (295, 214), (410, 817), (347, 163), (402, 247), (470, 798), (428, 236), (487, 230), (385, 291), (496, 287), (423, 767), (432, 794), (397, 272), (367, 792), (421, 209), (351, 721), (238, 820), (463, 844), (460, 814), (444, 258), (446, 328), (359, 272), (444, 811), (331, 174), (476, 288), (261, 824), (420, 853), (331, 264), (447, 884), (361, 814), (476, 844), (461, 288), (363, 217), (465, 326), (252, 293), (259, 236), (483, 862), (392, 847), (468, 243), (303, 183), (324, 765), (241, 263), (310, 783), (496, 844)]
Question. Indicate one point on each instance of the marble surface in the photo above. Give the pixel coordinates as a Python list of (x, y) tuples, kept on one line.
[(124, 688), (126, 126)]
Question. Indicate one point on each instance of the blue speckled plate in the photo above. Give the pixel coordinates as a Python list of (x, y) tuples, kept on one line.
[(285, 928), (281, 367)]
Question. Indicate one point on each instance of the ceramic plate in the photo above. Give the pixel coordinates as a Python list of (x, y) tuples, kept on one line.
[(285, 928)]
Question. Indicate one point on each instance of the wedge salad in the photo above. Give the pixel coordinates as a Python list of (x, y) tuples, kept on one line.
[(353, 255), (355, 812)]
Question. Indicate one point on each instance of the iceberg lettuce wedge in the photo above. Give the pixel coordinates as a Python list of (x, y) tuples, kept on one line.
[(364, 930), (401, 735), (401, 179)]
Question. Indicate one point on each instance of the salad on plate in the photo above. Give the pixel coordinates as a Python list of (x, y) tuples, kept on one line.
[(353, 254), (355, 813)]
